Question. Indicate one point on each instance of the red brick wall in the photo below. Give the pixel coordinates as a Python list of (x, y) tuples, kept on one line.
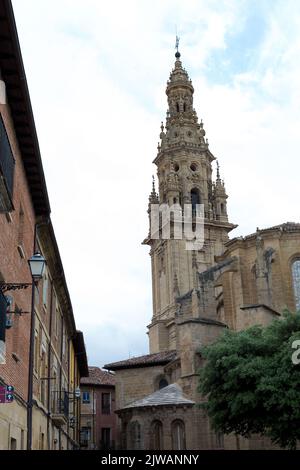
[(14, 268)]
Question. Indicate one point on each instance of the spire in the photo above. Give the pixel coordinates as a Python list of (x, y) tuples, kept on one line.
[(219, 186), (179, 78), (218, 172), (153, 198)]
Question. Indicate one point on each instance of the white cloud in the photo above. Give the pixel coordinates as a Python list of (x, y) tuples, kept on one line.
[(97, 74)]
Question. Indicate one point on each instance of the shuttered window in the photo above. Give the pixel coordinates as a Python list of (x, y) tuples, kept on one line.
[(3, 309)]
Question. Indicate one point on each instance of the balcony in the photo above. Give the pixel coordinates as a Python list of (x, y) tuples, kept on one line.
[(7, 165), (60, 408)]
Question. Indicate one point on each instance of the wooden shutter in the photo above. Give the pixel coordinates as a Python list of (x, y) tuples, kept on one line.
[(3, 309)]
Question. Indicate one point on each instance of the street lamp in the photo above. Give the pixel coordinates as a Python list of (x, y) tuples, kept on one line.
[(37, 266)]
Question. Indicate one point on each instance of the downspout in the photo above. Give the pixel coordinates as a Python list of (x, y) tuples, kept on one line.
[(49, 368), (31, 350), (94, 421), (69, 377), (60, 370)]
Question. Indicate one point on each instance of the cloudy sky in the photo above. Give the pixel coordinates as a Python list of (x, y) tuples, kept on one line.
[(97, 72)]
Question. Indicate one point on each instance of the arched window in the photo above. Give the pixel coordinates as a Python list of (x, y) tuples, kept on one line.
[(296, 282), (178, 435), (195, 199), (162, 383), (135, 436), (184, 107), (222, 208), (156, 435), (177, 107)]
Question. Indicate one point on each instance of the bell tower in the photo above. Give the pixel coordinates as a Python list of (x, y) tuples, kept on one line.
[(184, 171)]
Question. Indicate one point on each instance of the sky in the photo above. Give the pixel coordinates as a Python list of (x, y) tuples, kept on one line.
[(97, 73)]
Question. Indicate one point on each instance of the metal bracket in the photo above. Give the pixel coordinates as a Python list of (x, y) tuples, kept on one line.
[(8, 286)]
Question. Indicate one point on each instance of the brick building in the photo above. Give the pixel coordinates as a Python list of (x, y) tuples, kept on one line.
[(98, 419), (198, 291), (45, 412)]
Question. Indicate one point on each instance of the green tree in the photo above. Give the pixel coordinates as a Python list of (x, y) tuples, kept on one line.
[(251, 384)]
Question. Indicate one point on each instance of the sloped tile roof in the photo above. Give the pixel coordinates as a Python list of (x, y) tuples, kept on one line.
[(98, 376), (143, 361), (167, 396)]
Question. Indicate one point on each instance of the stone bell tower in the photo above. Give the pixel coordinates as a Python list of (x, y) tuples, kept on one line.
[(184, 171)]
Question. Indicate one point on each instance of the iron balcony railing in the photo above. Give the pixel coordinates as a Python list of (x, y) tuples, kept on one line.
[(60, 403), (7, 161)]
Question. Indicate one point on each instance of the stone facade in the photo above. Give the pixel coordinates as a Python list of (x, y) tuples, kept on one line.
[(199, 292)]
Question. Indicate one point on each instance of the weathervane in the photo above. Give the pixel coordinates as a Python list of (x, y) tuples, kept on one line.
[(177, 55)]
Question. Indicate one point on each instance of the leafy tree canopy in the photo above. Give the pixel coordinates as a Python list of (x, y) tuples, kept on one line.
[(251, 383)]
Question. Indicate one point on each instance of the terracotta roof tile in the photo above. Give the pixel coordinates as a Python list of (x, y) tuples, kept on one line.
[(143, 361), (98, 376)]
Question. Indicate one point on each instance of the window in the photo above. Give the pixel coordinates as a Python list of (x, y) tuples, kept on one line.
[(57, 322), (86, 397), (85, 436), (296, 282), (177, 107), (54, 388), (43, 374), (64, 343), (21, 226), (7, 164), (45, 291), (178, 435), (36, 350), (162, 383), (156, 435), (3, 310), (13, 444), (16, 332), (42, 440), (105, 438), (106, 403), (195, 199)]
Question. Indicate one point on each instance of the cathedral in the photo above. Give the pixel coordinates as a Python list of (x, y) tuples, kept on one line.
[(197, 293)]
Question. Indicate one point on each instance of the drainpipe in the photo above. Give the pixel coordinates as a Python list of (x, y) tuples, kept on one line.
[(60, 370), (31, 350), (49, 367), (69, 378), (30, 372)]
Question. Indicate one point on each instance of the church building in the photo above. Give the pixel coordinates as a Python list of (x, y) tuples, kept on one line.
[(197, 293)]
